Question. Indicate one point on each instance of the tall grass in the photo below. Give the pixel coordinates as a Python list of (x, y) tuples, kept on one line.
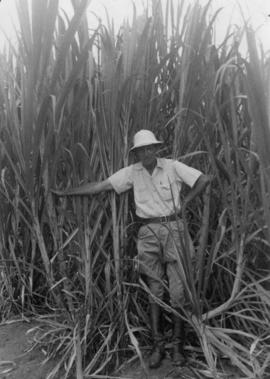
[(70, 102)]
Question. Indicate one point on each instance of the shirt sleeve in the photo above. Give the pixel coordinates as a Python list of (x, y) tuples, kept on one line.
[(122, 180), (187, 174)]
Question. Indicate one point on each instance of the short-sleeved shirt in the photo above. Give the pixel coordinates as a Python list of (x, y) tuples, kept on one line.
[(158, 194)]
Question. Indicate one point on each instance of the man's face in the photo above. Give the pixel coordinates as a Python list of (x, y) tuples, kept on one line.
[(147, 154)]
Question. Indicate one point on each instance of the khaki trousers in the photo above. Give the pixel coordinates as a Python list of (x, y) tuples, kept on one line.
[(160, 247)]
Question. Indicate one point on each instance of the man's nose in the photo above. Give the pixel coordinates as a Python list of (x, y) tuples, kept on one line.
[(147, 149)]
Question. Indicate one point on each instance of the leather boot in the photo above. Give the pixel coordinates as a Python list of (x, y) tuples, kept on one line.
[(158, 351), (178, 341)]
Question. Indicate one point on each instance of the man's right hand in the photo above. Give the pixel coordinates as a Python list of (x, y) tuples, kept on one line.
[(86, 189)]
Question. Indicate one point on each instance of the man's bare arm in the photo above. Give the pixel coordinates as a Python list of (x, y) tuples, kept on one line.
[(86, 189), (199, 186)]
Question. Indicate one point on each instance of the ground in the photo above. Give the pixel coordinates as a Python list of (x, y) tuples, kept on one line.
[(20, 358), (193, 369), (166, 371)]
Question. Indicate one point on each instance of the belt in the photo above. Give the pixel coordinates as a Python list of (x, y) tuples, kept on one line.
[(157, 220)]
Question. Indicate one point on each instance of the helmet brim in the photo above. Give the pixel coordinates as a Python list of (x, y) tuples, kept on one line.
[(145, 144)]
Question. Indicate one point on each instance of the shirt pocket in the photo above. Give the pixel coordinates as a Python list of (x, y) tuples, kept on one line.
[(166, 192), (141, 194)]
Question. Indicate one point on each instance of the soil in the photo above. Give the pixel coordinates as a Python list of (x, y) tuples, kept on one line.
[(192, 369), (166, 371), (21, 358)]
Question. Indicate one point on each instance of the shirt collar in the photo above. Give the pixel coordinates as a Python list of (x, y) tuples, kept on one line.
[(159, 163)]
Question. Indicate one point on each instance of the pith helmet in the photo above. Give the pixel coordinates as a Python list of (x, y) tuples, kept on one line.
[(144, 137)]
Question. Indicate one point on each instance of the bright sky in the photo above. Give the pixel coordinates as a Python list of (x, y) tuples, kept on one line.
[(257, 12)]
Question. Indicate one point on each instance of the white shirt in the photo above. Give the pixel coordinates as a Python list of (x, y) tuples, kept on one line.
[(158, 194)]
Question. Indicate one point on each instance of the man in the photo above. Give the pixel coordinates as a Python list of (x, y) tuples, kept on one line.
[(156, 183)]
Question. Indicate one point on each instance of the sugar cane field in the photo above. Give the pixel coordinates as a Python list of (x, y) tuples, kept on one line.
[(74, 90)]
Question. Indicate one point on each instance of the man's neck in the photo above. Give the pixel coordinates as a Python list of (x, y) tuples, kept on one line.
[(150, 168)]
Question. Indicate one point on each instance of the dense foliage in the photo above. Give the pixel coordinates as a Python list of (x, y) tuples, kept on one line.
[(70, 102)]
